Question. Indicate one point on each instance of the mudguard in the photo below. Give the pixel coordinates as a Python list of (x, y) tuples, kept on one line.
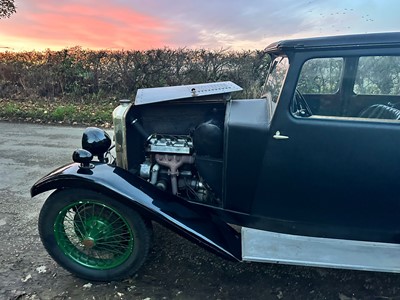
[(194, 222)]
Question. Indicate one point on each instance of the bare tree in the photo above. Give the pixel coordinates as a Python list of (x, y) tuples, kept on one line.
[(7, 8)]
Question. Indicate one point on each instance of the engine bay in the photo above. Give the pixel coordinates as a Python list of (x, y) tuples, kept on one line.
[(178, 148)]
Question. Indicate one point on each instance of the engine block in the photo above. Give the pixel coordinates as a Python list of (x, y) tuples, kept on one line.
[(157, 143)]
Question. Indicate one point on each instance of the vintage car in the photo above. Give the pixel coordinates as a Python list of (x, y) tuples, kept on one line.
[(307, 174)]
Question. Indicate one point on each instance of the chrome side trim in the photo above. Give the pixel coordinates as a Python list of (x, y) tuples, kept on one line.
[(264, 246)]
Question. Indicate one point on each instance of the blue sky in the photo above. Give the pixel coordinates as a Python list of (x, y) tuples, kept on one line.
[(232, 24)]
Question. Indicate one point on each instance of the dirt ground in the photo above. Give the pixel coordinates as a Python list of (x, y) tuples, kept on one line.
[(175, 269)]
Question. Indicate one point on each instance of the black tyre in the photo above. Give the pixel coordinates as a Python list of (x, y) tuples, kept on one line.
[(93, 236)]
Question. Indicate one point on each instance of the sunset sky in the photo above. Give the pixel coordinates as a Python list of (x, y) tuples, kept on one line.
[(228, 24)]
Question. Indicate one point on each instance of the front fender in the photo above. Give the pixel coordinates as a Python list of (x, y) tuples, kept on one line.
[(197, 223)]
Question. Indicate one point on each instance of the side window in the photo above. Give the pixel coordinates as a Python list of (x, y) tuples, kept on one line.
[(378, 75), (369, 92), (318, 85), (320, 76)]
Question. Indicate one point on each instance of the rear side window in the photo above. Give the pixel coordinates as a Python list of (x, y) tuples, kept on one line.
[(378, 75)]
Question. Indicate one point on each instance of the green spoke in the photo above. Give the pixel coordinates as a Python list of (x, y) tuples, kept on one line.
[(112, 250), (115, 221), (113, 245), (102, 209), (68, 217), (77, 228), (117, 234), (115, 241), (123, 226), (79, 215), (109, 216)]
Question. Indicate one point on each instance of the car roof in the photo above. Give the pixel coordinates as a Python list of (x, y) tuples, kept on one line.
[(340, 41)]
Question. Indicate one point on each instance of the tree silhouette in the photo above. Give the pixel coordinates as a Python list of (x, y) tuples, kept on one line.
[(7, 8)]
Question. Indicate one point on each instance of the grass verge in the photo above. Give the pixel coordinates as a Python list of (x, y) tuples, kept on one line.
[(58, 112)]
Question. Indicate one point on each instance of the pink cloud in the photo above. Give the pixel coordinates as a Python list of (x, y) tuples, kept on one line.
[(91, 25)]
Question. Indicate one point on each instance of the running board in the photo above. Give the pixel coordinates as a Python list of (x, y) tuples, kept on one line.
[(265, 246)]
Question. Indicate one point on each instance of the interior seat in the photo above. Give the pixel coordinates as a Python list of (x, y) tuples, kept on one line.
[(380, 111)]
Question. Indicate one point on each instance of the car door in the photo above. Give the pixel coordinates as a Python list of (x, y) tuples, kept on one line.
[(330, 175)]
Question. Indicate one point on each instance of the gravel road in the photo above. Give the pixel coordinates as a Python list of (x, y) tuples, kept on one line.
[(175, 269)]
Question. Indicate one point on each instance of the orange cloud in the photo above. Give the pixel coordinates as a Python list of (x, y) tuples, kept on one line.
[(94, 25)]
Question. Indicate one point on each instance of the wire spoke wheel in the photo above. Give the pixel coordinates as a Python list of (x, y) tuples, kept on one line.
[(94, 236)]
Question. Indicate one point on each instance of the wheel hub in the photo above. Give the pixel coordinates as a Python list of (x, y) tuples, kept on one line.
[(95, 229), (88, 243)]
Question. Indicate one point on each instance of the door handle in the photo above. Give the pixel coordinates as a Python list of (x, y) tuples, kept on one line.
[(278, 136)]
